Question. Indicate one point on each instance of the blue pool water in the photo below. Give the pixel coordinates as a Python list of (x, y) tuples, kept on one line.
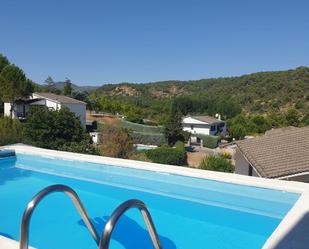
[(187, 212)]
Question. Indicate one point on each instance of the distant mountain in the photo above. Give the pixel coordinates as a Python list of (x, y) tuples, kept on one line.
[(60, 85)]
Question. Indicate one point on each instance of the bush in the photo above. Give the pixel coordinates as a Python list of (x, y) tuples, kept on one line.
[(57, 130), (167, 156), (237, 131), (216, 163), (179, 145), (148, 138), (139, 156), (226, 155), (11, 131), (209, 141), (117, 142)]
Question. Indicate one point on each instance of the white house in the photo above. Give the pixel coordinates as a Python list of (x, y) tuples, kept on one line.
[(280, 153), (50, 100), (204, 125)]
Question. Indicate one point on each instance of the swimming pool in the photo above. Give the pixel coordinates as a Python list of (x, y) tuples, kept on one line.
[(188, 212)]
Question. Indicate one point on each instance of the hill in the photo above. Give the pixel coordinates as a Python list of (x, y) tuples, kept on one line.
[(60, 85), (255, 93)]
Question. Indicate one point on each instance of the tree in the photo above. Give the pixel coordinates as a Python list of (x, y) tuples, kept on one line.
[(237, 131), (292, 117), (67, 90), (59, 130), (3, 62), (117, 142), (14, 85), (216, 163), (173, 128), (260, 124), (11, 131), (49, 82)]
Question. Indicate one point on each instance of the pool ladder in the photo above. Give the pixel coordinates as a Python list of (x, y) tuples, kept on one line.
[(104, 240)]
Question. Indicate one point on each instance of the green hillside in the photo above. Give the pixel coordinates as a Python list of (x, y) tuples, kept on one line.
[(255, 93)]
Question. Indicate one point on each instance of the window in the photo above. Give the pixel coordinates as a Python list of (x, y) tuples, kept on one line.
[(213, 128), (192, 127)]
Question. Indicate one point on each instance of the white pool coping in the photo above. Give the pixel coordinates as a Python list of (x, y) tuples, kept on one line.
[(299, 210)]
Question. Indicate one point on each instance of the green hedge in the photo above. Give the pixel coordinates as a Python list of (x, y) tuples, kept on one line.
[(141, 128), (148, 138), (209, 141), (166, 155)]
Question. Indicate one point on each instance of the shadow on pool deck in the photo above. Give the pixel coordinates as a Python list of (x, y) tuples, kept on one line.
[(297, 237), (130, 234)]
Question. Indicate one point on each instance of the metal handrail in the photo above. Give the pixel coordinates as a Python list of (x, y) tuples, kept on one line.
[(120, 210), (24, 228)]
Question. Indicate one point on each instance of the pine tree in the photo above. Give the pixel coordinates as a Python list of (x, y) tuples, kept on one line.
[(67, 90)]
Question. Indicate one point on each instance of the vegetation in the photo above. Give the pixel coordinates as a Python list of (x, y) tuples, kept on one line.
[(173, 127), (148, 138), (117, 142), (251, 104), (167, 155), (67, 90), (141, 128), (13, 83), (58, 130), (267, 99), (209, 141), (11, 131), (216, 163)]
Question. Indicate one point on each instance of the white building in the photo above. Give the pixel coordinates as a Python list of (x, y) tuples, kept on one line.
[(204, 125), (49, 100), (280, 153)]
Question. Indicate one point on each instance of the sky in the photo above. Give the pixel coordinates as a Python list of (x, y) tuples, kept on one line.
[(110, 41)]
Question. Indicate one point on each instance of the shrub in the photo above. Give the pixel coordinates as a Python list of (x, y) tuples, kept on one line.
[(209, 141), (11, 131), (292, 116), (237, 131), (58, 130), (179, 145), (117, 142), (216, 163), (226, 155), (148, 138), (139, 155), (167, 156)]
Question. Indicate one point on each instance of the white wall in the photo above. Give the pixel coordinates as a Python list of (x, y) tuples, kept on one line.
[(7, 109), (242, 165), (197, 128), (200, 127)]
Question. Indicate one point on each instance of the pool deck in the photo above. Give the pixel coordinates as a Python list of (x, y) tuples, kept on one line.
[(292, 232)]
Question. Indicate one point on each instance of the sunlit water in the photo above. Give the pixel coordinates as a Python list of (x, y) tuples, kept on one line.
[(187, 212)]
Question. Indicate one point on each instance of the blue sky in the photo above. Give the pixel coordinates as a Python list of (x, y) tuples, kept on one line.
[(109, 41)]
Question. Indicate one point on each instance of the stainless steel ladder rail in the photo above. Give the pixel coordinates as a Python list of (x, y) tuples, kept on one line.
[(119, 211), (24, 229)]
